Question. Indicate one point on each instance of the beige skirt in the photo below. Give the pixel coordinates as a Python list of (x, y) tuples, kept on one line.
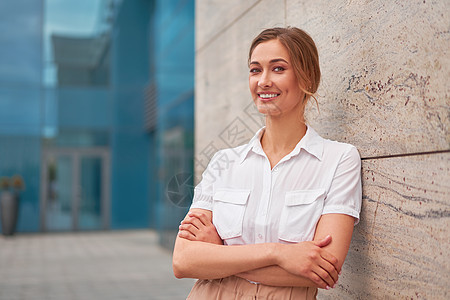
[(235, 288)]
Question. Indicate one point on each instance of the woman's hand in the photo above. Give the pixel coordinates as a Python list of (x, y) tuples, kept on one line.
[(197, 227), (309, 260)]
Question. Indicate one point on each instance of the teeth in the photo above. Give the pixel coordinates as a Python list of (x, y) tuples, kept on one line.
[(268, 95)]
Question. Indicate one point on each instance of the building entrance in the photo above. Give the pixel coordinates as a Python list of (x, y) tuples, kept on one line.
[(75, 189)]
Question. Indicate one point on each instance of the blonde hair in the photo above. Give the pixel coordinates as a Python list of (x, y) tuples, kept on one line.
[(302, 52)]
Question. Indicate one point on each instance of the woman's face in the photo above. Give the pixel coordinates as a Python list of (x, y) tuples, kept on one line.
[(272, 81)]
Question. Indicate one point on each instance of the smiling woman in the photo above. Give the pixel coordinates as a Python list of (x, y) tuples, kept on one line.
[(287, 201), (273, 84)]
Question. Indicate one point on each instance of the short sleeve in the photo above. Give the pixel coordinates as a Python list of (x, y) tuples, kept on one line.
[(345, 193), (203, 192)]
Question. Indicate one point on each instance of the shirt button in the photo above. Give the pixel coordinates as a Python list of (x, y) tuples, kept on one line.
[(260, 236), (275, 169)]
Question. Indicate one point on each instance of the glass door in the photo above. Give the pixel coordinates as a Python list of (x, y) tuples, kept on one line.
[(59, 190), (90, 193), (75, 190)]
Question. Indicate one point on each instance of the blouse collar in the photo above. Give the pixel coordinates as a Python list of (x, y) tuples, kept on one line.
[(310, 142)]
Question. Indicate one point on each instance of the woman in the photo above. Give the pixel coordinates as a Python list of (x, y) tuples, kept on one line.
[(287, 201)]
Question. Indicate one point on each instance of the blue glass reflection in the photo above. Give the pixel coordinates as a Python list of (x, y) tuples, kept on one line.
[(173, 29), (20, 37), (73, 82), (19, 111), (20, 99)]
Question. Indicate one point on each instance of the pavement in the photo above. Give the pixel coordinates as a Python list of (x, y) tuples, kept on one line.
[(90, 265)]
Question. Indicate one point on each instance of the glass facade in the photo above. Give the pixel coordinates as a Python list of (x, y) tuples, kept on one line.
[(96, 112), (173, 61), (77, 108), (20, 102)]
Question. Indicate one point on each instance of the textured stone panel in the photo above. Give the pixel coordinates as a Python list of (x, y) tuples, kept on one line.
[(223, 105), (401, 248), (214, 16), (385, 67)]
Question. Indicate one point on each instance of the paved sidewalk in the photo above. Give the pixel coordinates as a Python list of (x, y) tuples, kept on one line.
[(98, 265)]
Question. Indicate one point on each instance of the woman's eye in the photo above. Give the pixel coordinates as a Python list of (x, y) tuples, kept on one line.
[(278, 69), (254, 70)]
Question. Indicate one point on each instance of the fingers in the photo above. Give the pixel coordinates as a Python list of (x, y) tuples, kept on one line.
[(328, 273), (322, 280), (193, 220), (197, 227), (190, 228), (324, 265), (186, 235), (318, 281), (329, 268), (202, 217), (327, 256), (325, 273)]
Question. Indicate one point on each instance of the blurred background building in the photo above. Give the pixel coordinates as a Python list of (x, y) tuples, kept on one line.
[(96, 112)]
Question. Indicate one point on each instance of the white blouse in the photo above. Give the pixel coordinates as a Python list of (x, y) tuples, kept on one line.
[(252, 203)]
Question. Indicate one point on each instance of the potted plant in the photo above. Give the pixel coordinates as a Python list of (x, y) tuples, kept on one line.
[(9, 202)]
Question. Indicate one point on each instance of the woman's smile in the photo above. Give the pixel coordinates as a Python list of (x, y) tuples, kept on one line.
[(268, 96)]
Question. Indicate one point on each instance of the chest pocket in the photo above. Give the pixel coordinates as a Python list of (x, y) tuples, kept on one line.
[(228, 211), (301, 212)]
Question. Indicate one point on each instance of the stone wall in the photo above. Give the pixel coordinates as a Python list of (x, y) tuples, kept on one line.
[(385, 88)]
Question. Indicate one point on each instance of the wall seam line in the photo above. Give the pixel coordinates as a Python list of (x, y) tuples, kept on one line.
[(406, 154), (225, 28)]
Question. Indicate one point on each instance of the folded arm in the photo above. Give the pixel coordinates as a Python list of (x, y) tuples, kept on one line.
[(201, 255), (339, 226), (208, 260)]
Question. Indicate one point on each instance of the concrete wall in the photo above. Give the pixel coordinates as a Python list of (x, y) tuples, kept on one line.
[(385, 88)]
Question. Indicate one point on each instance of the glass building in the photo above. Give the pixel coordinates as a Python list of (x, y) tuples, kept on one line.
[(96, 112)]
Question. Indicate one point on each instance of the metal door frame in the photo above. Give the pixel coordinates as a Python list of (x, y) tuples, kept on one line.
[(76, 154)]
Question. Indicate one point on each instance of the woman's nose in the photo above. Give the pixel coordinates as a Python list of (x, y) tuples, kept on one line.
[(264, 80)]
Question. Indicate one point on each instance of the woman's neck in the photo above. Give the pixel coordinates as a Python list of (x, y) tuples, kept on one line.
[(283, 133)]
